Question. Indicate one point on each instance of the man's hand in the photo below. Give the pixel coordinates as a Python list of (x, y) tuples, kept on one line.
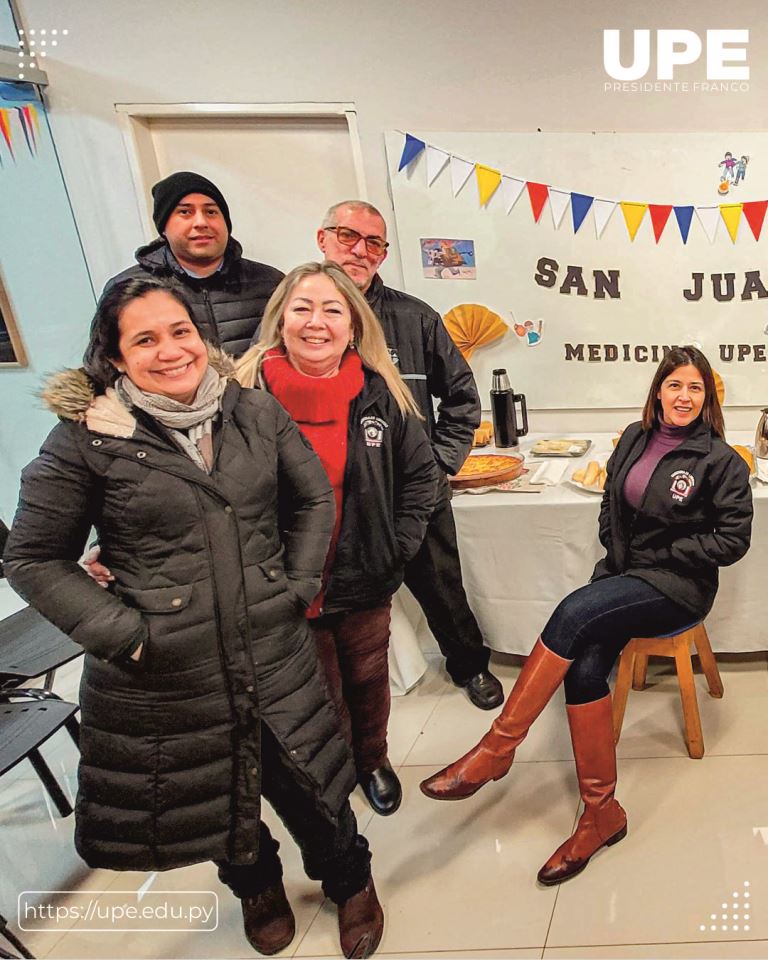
[(97, 571)]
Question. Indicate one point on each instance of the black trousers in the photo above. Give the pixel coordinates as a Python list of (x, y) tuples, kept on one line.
[(434, 578), (335, 854), (592, 625)]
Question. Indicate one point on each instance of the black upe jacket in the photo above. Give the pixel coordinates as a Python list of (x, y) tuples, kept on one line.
[(695, 516), (212, 576), (390, 482), (430, 363), (228, 305)]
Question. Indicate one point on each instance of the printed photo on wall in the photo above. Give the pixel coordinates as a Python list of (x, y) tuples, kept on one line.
[(448, 259), (733, 170), (11, 348)]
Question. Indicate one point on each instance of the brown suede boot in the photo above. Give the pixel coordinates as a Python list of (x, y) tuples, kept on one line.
[(603, 822), (361, 923), (268, 920), (491, 759)]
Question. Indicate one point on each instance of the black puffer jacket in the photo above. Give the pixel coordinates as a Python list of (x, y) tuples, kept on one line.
[(212, 576), (390, 483), (695, 516), (228, 305), (431, 365)]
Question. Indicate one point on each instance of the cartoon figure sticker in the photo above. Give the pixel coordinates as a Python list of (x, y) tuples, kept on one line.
[(733, 170), (529, 332)]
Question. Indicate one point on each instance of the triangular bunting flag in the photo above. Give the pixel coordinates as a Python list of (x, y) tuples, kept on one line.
[(709, 217), (603, 213), (684, 215), (23, 122), (559, 201), (411, 149), (754, 214), (436, 160), (659, 215), (460, 173), (511, 188), (488, 180), (5, 129), (731, 214), (633, 215), (36, 123), (30, 125), (580, 204), (537, 193)]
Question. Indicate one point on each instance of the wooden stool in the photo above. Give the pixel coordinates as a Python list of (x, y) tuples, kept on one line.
[(633, 666)]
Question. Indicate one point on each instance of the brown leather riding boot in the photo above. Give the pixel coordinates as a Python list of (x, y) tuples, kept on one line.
[(491, 759), (268, 920), (361, 923), (603, 822)]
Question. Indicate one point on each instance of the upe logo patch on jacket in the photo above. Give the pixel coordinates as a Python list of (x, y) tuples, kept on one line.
[(373, 430), (682, 484), (393, 356)]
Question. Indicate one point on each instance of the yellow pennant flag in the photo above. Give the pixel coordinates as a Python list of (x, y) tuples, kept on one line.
[(488, 180), (731, 214), (633, 215)]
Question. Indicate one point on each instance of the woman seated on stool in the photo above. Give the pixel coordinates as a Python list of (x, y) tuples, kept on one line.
[(201, 689), (323, 355), (677, 505)]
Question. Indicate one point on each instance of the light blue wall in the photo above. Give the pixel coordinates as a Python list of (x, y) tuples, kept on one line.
[(48, 285), (8, 35)]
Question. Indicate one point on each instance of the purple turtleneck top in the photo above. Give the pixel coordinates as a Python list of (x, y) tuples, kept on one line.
[(664, 438)]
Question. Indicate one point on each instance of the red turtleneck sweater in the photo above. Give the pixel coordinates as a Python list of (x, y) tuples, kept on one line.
[(320, 407)]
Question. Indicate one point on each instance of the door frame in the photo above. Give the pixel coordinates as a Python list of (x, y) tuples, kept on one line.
[(135, 121)]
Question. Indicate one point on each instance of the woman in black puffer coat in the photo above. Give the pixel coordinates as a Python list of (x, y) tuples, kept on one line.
[(201, 691)]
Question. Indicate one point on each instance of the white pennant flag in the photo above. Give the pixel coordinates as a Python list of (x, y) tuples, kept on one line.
[(603, 212), (511, 188), (436, 160), (709, 217), (461, 170), (559, 202)]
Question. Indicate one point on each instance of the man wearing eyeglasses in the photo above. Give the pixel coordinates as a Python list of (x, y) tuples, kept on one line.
[(354, 235), (197, 253)]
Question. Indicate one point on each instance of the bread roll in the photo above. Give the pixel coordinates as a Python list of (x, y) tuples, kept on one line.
[(592, 472)]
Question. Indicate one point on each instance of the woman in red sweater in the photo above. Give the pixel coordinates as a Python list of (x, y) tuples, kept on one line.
[(323, 355)]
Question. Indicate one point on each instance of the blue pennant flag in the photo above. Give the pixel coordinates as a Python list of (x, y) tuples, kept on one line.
[(580, 204), (411, 150), (684, 216)]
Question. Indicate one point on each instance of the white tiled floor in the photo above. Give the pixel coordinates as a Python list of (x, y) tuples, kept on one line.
[(458, 880)]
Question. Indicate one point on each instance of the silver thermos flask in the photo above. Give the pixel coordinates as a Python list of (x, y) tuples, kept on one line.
[(503, 408)]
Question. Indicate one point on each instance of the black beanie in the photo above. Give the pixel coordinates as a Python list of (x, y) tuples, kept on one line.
[(168, 192)]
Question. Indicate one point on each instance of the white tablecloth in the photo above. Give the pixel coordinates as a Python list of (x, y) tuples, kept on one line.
[(522, 553)]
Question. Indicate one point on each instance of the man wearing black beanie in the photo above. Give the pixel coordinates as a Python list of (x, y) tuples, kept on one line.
[(195, 251)]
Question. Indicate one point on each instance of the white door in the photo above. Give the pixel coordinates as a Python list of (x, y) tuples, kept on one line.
[(278, 173)]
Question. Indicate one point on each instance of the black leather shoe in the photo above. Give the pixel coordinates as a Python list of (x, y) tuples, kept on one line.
[(484, 690), (382, 789)]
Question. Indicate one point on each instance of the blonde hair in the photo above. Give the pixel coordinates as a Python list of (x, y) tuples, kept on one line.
[(368, 336)]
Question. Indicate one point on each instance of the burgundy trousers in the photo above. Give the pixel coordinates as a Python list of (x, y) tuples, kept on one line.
[(353, 647)]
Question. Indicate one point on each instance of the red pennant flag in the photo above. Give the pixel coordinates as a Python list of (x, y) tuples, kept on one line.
[(659, 215), (30, 125), (754, 214), (5, 129), (538, 193)]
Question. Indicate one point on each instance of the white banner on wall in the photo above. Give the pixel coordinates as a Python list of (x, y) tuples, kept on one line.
[(609, 305)]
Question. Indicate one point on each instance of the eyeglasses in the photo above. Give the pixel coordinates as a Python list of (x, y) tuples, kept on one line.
[(350, 238)]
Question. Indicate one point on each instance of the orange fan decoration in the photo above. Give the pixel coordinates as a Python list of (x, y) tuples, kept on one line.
[(472, 325), (719, 387)]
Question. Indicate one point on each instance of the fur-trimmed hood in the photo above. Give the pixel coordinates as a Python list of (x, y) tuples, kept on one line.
[(71, 395)]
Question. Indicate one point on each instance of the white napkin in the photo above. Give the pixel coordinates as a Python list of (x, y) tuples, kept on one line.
[(549, 473)]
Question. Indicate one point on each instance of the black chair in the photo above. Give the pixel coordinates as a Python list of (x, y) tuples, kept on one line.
[(32, 647), (14, 942)]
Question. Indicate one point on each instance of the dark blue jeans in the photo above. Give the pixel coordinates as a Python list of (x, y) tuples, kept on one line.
[(592, 625)]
